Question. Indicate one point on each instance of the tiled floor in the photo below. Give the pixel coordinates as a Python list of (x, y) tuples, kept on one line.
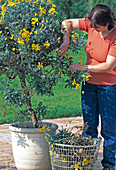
[(6, 156)]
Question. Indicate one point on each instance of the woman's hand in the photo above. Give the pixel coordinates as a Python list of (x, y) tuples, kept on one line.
[(66, 28), (62, 49), (74, 67)]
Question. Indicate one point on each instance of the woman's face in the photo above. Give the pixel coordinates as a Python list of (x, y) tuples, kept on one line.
[(100, 28)]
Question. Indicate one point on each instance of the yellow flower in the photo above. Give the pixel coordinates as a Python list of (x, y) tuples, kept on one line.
[(77, 86), (73, 36), (0, 32), (68, 56), (54, 160), (42, 10), (80, 62), (33, 46), (0, 21), (75, 41), (83, 163), (6, 27), (46, 44), (80, 151), (69, 121), (25, 34), (62, 74), (40, 65), (33, 23), (35, 32), (52, 145), (43, 129), (35, 1), (74, 82), (36, 47), (50, 153), (76, 34), (12, 4), (13, 49), (34, 19), (83, 92), (63, 160), (48, 130), (11, 36), (85, 160), (4, 9), (26, 0), (76, 166), (85, 32), (54, 5), (52, 11), (20, 41), (44, 126), (87, 77), (49, 2)]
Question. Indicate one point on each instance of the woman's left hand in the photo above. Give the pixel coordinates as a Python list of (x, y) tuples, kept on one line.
[(74, 67)]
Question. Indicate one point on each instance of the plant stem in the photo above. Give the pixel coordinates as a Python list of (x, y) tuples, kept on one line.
[(29, 105)]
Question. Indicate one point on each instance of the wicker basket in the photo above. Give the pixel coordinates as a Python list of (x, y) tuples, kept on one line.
[(71, 157)]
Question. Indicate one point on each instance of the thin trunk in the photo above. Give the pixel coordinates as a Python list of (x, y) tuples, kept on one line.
[(4, 110), (29, 106)]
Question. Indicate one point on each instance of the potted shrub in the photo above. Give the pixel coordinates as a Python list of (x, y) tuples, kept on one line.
[(30, 31)]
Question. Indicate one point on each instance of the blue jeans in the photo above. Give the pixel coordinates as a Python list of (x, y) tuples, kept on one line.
[(101, 100)]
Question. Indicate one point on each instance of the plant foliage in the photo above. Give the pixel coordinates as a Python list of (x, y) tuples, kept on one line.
[(30, 32)]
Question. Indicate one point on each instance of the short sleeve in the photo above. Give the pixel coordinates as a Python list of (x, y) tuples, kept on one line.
[(84, 24), (112, 50)]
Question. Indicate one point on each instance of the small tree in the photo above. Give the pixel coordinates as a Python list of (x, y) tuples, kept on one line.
[(29, 35)]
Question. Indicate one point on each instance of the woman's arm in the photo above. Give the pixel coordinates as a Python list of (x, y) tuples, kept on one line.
[(104, 67), (67, 26), (71, 24), (98, 68)]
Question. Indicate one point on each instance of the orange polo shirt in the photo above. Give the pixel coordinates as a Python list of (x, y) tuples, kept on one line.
[(97, 50)]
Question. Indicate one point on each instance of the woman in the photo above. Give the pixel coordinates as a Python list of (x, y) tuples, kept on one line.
[(99, 96)]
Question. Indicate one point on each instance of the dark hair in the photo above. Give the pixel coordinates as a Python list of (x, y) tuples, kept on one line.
[(102, 15)]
